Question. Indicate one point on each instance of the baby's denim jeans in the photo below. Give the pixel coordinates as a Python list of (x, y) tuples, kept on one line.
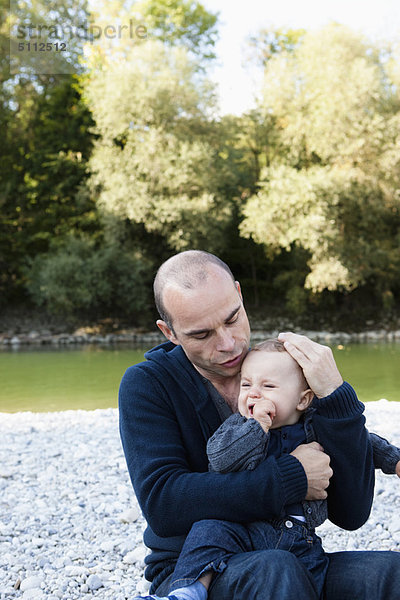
[(211, 543)]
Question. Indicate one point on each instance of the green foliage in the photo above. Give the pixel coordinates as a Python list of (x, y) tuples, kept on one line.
[(80, 280), (38, 21), (179, 24), (332, 188), (184, 22), (43, 174), (288, 283), (157, 161), (270, 42), (44, 150)]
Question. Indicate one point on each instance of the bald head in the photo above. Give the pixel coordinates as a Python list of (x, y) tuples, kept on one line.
[(186, 270)]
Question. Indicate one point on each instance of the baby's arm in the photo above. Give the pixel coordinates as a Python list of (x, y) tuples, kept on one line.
[(386, 456), (239, 444)]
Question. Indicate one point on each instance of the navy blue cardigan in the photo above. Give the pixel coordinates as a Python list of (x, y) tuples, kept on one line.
[(166, 418)]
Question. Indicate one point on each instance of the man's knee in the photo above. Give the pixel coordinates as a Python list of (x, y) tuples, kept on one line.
[(363, 575)]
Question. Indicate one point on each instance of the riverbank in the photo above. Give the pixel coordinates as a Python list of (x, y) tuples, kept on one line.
[(70, 526), (86, 335), (27, 328)]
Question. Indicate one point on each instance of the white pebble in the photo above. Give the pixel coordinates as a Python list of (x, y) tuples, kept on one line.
[(36, 593), (142, 586), (394, 524), (30, 583), (136, 556), (130, 558), (107, 546), (75, 570), (94, 582), (396, 537), (130, 516)]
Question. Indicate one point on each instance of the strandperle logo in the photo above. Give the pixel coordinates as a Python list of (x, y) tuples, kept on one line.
[(31, 31), (43, 42)]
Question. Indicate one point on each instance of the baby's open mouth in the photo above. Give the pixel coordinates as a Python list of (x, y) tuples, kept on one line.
[(251, 409)]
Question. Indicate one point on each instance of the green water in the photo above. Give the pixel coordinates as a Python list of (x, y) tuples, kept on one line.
[(88, 377), (372, 369), (53, 380)]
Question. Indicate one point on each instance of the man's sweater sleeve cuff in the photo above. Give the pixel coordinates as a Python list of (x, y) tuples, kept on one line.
[(341, 404), (293, 478)]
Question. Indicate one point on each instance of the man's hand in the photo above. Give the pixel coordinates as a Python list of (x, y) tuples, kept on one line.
[(316, 466), (264, 412), (317, 362)]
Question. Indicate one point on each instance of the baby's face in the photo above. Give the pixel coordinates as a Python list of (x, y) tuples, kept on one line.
[(274, 377)]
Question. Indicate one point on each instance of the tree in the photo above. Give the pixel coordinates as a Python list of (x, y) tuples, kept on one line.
[(43, 195), (333, 187), (46, 39), (183, 22), (273, 41), (45, 141), (175, 23), (156, 161), (49, 134)]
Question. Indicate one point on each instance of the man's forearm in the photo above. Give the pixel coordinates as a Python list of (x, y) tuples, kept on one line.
[(340, 428)]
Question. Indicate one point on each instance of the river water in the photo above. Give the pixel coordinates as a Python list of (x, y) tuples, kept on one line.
[(88, 377)]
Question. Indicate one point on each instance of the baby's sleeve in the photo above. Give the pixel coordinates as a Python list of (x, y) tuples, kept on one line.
[(239, 444), (385, 455)]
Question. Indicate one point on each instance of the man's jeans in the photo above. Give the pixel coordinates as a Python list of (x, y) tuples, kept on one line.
[(211, 543), (279, 575)]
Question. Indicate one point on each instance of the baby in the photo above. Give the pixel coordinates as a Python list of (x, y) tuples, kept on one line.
[(274, 418)]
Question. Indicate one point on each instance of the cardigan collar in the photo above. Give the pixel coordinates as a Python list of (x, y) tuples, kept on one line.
[(173, 359)]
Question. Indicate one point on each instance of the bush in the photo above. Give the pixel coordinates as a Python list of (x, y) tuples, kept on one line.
[(80, 280)]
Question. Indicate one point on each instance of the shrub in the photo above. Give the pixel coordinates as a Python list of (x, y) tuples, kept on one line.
[(78, 279)]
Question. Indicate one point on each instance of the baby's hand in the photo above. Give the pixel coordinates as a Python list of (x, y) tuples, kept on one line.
[(264, 412)]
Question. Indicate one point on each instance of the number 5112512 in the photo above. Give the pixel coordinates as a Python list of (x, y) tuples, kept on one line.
[(42, 47)]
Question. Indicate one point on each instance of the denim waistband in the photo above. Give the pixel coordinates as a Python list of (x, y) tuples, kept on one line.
[(289, 523)]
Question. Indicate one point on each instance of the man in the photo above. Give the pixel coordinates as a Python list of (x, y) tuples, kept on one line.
[(171, 404)]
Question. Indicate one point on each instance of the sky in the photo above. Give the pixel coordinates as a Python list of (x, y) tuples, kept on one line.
[(379, 19)]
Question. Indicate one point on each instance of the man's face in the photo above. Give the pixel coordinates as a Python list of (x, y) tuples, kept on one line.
[(210, 323), (273, 377)]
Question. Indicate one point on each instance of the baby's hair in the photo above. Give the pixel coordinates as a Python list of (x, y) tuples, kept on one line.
[(270, 345)]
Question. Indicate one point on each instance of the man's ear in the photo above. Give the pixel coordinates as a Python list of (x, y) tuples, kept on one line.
[(167, 331), (237, 284), (305, 399)]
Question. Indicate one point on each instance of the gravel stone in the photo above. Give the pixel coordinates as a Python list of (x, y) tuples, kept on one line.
[(30, 583), (94, 582)]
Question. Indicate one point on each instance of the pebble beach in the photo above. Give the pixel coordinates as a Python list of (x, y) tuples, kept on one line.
[(70, 525)]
